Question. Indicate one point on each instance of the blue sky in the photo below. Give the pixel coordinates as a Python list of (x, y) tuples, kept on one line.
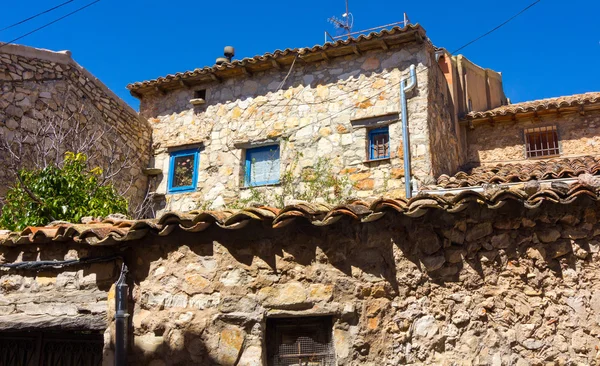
[(550, 50)]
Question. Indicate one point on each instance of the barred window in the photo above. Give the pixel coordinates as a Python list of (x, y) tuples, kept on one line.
[(379, 143), (300, 341), (541, 141)]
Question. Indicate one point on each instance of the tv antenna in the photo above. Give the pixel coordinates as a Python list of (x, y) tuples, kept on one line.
[(345, 23)]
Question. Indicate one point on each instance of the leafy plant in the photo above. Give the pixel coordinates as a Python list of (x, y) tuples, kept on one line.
[(316, 182), (67, 192)]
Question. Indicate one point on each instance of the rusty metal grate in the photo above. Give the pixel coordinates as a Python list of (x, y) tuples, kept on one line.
[(541, 142), (305, 352)]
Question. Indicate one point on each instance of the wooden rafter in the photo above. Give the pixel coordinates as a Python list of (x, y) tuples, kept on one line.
[(246, 71), (160, 90)]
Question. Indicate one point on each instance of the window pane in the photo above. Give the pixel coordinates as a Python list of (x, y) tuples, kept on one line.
[(184, 171), (264, 165)]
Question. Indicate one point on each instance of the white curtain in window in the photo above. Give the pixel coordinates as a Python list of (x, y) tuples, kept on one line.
[(265, 166)]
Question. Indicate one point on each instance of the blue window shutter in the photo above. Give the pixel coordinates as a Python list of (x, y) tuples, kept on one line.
[(262, 165), (192, 154)]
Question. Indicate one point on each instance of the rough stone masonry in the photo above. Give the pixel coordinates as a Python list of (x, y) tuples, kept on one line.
[(41, 87), (323, 110), (504, 286)]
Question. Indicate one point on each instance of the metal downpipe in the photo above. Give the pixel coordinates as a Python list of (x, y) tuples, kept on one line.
[(121, 318), (405, 138)]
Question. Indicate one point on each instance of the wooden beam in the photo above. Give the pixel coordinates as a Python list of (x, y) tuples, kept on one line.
[(246, 71), (471, 126), (384, 45), (356, 50), (324, 55), (581, 110), (160, 90), (184, 84), (215, 77), (418, 38), (135, 94), (275, 64)]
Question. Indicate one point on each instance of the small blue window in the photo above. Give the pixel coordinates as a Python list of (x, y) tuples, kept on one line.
[(379, 143), (183, 170), (262, 166)]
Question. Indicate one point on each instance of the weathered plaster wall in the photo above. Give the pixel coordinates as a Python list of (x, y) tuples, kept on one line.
[(310, 116), (40, 86), (483, 87), (504, 141)]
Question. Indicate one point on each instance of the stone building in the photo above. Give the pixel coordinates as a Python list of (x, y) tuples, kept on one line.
[(257, 121), (493, 262), (43, 92), (505, 277)]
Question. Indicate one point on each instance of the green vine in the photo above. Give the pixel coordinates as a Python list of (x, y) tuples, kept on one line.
[(311, 184)]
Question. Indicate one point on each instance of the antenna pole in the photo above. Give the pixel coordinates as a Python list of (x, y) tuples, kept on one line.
[(347, 19)]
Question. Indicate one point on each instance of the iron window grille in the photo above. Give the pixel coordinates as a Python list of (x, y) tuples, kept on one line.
[(51, 348), (262, 166), (541, 142), (305, 341), (183, 170), (379, 143)]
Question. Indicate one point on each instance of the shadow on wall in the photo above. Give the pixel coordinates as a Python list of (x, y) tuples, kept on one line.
[(313, 75), (379, 261)]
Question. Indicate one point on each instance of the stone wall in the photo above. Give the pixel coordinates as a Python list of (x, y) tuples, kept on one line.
[(41, 87), (484, 287), (316, 114), (443, 132), (504, 141), (71, 299), (510, 286)]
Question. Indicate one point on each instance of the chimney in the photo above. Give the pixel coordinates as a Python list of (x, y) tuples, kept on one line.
[(229, 52)]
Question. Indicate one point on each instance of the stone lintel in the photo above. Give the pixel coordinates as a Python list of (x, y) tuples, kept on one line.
[(18, 322)]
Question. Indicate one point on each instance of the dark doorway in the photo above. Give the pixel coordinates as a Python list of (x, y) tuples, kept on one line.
[(51, 348)]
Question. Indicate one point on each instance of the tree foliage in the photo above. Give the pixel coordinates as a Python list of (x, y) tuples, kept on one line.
[(67, 192)]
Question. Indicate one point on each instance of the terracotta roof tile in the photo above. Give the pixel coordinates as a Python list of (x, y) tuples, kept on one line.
[(507, 173), (110, 232), (277, 54), (538, 105)]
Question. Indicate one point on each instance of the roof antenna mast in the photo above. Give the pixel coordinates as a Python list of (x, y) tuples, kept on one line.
[(345, 24)]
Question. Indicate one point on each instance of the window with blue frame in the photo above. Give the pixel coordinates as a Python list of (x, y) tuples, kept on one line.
[(379, 143), (262, 166), (183, 170)]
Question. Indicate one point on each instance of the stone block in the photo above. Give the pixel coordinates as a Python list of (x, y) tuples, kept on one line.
[(291, 295), (230, 345)]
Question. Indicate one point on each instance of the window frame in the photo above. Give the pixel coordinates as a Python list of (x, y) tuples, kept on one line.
[(248, 166), (176, 154), (541, 130), (280, 328), (371, 134)]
